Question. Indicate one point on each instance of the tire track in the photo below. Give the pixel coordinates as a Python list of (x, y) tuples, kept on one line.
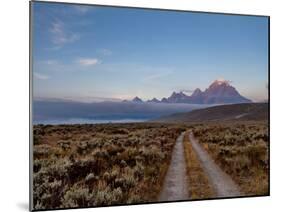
[(221, 182), (175, 183)]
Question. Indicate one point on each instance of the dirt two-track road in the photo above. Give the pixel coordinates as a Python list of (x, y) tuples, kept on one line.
[(176, 181), (221, 182), (175, 184)]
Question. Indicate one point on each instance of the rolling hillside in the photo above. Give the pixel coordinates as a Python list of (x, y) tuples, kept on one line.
[(245, 112)]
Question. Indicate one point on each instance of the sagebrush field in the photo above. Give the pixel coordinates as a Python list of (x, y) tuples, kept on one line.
[(111, 164), (95, 165), (241, 150)]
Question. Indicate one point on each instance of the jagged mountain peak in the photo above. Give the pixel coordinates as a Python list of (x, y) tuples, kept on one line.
[(155, 100), (177, 97), (179, 94), (221, 92), (137, 99), (197, 92), (220, 82), (221, 88)]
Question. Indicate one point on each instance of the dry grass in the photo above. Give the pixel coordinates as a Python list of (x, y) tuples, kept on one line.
[(95, 165), (198, 183), (241, 150)]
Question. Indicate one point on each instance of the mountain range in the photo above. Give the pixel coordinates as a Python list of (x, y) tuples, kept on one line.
[(219, 92)]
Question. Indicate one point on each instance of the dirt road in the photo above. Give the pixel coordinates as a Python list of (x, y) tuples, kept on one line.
[(221, 182), (175, 184)]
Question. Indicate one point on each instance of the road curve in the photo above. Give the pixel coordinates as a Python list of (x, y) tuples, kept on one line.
[(175, 183), (221, 182)]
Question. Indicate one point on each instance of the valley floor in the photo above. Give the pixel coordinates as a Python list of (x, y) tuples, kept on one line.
[(112, 164)]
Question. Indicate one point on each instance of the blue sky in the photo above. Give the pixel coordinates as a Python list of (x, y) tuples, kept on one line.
[(89, 52)]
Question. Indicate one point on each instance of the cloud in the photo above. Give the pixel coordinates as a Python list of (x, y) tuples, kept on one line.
[(221, 79), (40, 76), (61, 36), (105, 52), (88, 61), (157, 76), (187, 90)]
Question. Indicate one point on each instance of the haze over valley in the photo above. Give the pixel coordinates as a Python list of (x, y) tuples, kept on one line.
[(55, 111)]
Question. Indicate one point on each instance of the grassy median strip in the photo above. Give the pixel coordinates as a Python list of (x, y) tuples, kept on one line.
[(198, 183)]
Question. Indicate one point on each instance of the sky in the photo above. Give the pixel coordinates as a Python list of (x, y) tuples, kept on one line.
[(94, 53)]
